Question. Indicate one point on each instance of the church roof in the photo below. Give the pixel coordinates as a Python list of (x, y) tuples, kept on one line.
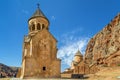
[(78, 53), (38, 13)]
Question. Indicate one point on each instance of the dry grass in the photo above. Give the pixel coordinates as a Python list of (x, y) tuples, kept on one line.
[(4, 78), (107, 73), (36, 79)]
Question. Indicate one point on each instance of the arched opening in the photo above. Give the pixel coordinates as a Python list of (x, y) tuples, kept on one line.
[(43, 26), (38, 26), (33, 27)]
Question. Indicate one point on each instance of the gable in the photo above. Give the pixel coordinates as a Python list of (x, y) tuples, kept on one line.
[(44, 34)]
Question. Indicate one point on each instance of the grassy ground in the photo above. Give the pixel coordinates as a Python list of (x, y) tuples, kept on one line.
[(106, 73), (36, 79), (4, 78)]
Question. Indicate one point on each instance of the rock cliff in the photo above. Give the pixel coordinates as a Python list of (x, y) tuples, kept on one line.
[(104, 48)]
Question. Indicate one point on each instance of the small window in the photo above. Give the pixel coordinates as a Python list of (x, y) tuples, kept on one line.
[(33, 27), (44, 68), (38, 26)]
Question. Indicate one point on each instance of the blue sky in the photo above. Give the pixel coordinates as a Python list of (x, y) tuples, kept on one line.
[(72, 22)]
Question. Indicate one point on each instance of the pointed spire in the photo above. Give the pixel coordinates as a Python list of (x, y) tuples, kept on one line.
[(38, 5), (38, 13), (78, 53)]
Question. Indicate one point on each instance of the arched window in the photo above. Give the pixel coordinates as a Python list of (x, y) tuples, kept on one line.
[(43, 26), (33, 27), (38, 26)]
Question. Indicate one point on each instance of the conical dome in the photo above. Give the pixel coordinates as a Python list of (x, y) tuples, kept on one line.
[(38, 13), (78, 53)]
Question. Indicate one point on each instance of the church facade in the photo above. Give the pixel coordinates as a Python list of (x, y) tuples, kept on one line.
[(39, 59)]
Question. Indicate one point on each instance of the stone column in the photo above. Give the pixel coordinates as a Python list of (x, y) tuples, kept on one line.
[(31, 48), (23, 69), (25, 52), (35, 26)]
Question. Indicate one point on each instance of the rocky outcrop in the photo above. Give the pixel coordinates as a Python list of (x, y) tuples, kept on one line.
[(104, 48), (6, 71)]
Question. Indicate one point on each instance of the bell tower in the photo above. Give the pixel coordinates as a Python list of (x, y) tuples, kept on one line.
[(77, 59), (39, 58), (38, 22)]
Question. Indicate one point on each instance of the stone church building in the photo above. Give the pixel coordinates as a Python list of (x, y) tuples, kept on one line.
[(39, 59)]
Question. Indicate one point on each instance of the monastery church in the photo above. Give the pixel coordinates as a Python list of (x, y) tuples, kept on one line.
[(39, 59)]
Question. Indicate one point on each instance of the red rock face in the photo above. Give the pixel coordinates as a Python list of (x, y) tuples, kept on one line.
[(104, 48)]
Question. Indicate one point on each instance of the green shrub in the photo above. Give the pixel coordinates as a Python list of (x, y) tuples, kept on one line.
[(105, 65), (118, 64)]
